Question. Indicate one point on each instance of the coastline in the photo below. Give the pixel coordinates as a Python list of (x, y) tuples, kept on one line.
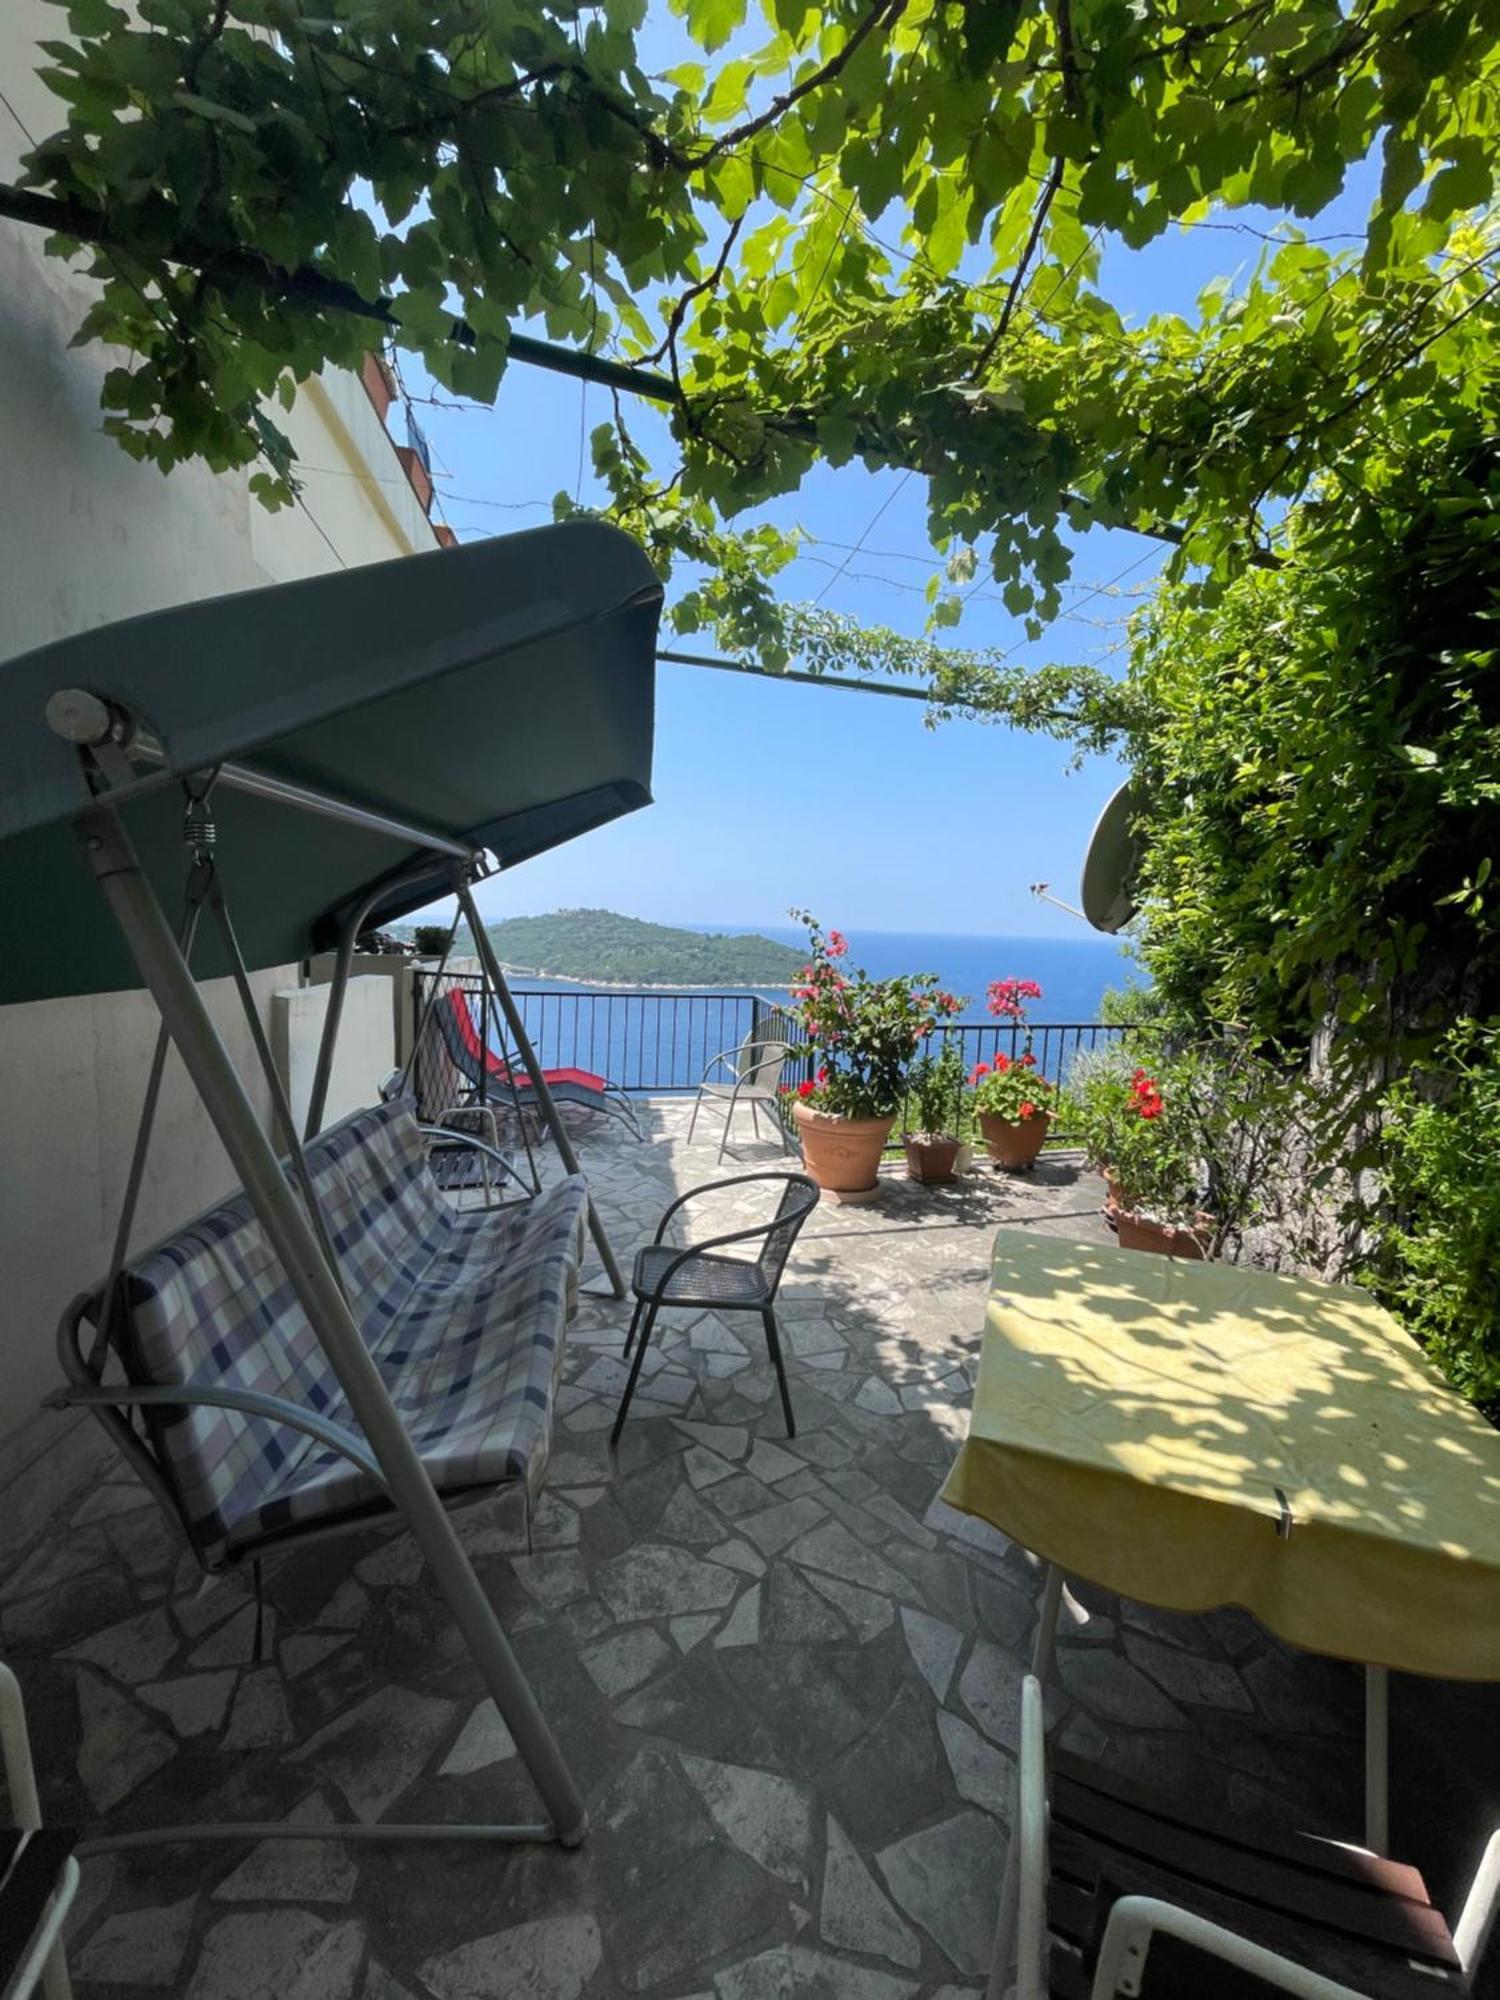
[(643, 985)]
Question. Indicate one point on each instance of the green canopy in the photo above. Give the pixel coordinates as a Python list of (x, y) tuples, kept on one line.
[(497, 696)]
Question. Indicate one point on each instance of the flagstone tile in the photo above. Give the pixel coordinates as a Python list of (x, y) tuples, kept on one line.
[(867, 1611), (774, 1527), (294, 1954), (135, 1650), (556, 1956), (771, 1462), (947, 1879), (705, 1468), (738, 1555), (742, 1627), (118, 1747), (625, 1659), (728, 1440), (690, 1632), (259, 1719), (375, 1751), (856, 1914), (141, 1947), (982, 1774), (654, 1581), (196, 1703), (484, 1740), (788, 1970)]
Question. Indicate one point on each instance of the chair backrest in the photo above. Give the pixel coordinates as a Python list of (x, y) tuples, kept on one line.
[(798, 1200), (762, 1055)]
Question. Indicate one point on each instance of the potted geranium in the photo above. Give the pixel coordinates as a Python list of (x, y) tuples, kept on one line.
[(1014, 1102), (865, 1033), (934, 1100), (1156, 1170)]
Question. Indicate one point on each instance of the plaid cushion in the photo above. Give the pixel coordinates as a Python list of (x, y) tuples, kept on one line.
[(464, 1315)]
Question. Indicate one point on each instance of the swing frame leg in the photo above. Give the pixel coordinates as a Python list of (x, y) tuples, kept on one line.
[(165, 972)]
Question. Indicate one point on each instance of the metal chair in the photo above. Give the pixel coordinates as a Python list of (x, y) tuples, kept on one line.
[(752, 1075), (700, 1276), (38, 1869), (1153, 1897)]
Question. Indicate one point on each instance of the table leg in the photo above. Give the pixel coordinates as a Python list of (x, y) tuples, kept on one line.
[(1377, 1760), (1046, 1631), (1042, 1650)]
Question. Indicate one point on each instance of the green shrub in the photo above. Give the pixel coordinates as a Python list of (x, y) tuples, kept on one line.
[(1439, 1258)]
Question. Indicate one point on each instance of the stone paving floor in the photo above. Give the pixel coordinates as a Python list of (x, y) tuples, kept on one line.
[(786, 1677)]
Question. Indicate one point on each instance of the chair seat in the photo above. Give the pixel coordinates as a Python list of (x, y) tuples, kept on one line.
[(1354, 1917), (706, 1280)]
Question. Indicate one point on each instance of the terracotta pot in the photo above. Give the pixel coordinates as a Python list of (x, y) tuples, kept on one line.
[(1167, 1239), (929, 1158), (1014, 1146), (842, 1154)]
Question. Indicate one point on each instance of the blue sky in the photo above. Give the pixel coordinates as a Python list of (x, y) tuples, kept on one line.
[(770, 795)]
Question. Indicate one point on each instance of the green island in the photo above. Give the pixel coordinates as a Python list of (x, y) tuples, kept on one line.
[(603, 947)]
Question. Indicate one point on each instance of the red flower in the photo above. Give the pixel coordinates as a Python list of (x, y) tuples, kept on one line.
[(838, 944), (806, 1087), (823, 1074), (979, 1070), (1027, 1110), (1002, 1064), (1028, 1061), (1151, 1107)]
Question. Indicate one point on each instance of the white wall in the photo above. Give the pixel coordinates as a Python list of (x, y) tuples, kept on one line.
[(87, 535), (364, 1056)]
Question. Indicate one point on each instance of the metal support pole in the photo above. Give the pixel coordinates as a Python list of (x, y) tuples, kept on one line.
[(550, 1115), (1042, 1650), (155, 951), (333, 1016), (1377, 1760)]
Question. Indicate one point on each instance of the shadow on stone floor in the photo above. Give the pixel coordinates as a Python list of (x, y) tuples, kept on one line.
[(786, 1677)]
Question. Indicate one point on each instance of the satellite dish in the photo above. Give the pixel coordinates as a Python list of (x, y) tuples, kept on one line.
[(1109, 867)]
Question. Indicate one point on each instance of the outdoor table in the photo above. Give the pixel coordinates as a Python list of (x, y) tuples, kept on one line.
[(1193, 1435)]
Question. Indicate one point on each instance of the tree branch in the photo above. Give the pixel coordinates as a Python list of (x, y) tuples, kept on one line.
[(313, 288), (885, 14)]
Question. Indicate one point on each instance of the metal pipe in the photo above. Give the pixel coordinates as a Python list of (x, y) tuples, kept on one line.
[(1377, 1760), (80, 716), (278, 1829), (161, 965), (333, 1016), (550, 1114)]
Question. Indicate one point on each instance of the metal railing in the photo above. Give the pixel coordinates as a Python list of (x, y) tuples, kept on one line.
[(660, 1042)]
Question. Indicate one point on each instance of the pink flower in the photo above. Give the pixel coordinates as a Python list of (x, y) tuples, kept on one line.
[(838, 944)]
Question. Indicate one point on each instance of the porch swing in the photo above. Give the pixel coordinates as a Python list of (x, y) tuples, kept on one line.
[(334, 1344)]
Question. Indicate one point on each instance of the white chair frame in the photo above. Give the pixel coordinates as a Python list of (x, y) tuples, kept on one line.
[(44, 1958), (1135, 1920)]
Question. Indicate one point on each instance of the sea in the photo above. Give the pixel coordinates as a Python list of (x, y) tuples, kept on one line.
[(648, 1039)]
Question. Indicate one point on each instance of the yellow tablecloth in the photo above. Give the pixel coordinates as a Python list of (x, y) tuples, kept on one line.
[(1200, 1434)]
